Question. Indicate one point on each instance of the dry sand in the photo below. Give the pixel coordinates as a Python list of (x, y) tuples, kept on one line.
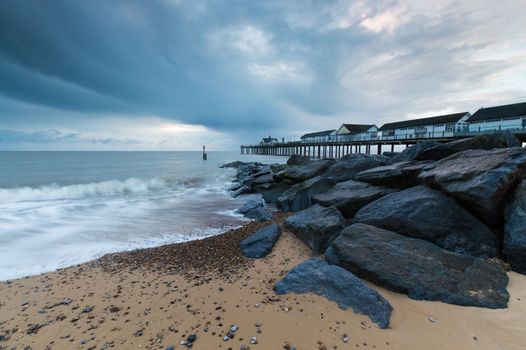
[(153, 298)]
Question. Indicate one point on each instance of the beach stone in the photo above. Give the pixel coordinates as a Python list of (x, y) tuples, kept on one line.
[(350, 196), (480, 180), (299, 196), (259, 214), (305, 171), (261, 242), (419, 268), (338, 285), (515, 229), (413, 152), (499, 139), (350, 165), (397, 175), (424, 213), (297, 159), (316, 226)]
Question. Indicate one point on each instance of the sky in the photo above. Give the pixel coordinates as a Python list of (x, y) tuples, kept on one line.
[(177, 74)]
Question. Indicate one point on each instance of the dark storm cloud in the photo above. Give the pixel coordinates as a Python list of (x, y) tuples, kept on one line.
[(260, 65)]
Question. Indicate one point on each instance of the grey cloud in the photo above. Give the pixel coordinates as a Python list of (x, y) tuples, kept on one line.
[(8, 136)]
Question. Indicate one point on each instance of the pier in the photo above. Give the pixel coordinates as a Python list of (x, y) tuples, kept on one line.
[(340, 147)]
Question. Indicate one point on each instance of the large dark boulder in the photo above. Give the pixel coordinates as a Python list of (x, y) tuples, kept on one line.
[(316, 226), (299, 196), (413, 152), (397, 175), (480, 180), (515, 229), (240, 190), (419, 268), (259, 214), (302, 172), (272, 191), (500, 139), (424, 213), (251, 204), (350, 196), (352, 164), (297, 159), (261, 242), (338, 285)]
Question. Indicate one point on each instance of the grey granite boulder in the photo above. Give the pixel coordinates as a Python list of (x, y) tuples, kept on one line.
[(259, 214), (397, 175), (500, 139), (338, 285), (297, 159), (478, 179), (316, 226), (261, 242), (240, 190), (350, 165), (251, 204), (305, 171), (349, 196), (299, 196), (424, 213), (272, 191), (419, 268), (413, 152), (515, 229)]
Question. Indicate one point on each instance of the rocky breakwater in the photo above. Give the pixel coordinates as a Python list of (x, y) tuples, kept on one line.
[(436, 221)]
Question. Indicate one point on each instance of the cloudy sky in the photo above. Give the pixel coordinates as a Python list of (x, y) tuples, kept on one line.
[(175, 74)]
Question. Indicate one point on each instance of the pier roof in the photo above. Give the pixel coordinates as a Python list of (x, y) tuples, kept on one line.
[(497, 112), (319, 133), (357, 128), (441, 119)]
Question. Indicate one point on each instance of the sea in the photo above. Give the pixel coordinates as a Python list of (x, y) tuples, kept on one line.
[(59, 209)]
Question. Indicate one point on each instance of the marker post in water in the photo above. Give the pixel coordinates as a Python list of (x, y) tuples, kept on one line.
[(204, 153)]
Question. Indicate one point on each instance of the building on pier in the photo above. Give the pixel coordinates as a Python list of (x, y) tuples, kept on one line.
[(431, 127), (505, 117), (319, 136), (357, 132), (268, 140)]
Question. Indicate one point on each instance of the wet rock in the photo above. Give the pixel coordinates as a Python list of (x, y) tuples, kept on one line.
[(350, 196), (316, 226), (413, 152), (260, 244), (515, 229), (418, 268), (424, 213), (299, 196), (87, 309), (480, 180), (272, 191), (243, 189), (250, 205), (336, 284), (297, 159), (501, 139), (259, 214), (302, 172), (347, 167), (397, 175)]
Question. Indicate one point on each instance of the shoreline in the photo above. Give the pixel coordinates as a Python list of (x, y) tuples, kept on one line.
[(156, 297)]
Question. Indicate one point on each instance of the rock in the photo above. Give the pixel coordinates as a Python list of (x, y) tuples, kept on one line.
[(424, 213), (262, 179), (413, 152), (259, 214), (305, 171), (316, 226), (338, 285), (299, 196), (240, 191), (251, 204), (350, 196), (297, 159), (501, 139), (352, 164), (170, 347), (272, 191), (397, 175), (418, 268), (261, 242), (515, 229), (389, 154), (87, 309), (480, 180)]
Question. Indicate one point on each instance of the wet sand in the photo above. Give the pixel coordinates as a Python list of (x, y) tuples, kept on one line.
[(158, 297)]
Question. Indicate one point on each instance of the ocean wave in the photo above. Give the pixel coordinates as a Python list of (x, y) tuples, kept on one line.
[(77, 191)]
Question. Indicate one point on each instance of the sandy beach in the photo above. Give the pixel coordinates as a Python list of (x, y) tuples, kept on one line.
[(158, 297)]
